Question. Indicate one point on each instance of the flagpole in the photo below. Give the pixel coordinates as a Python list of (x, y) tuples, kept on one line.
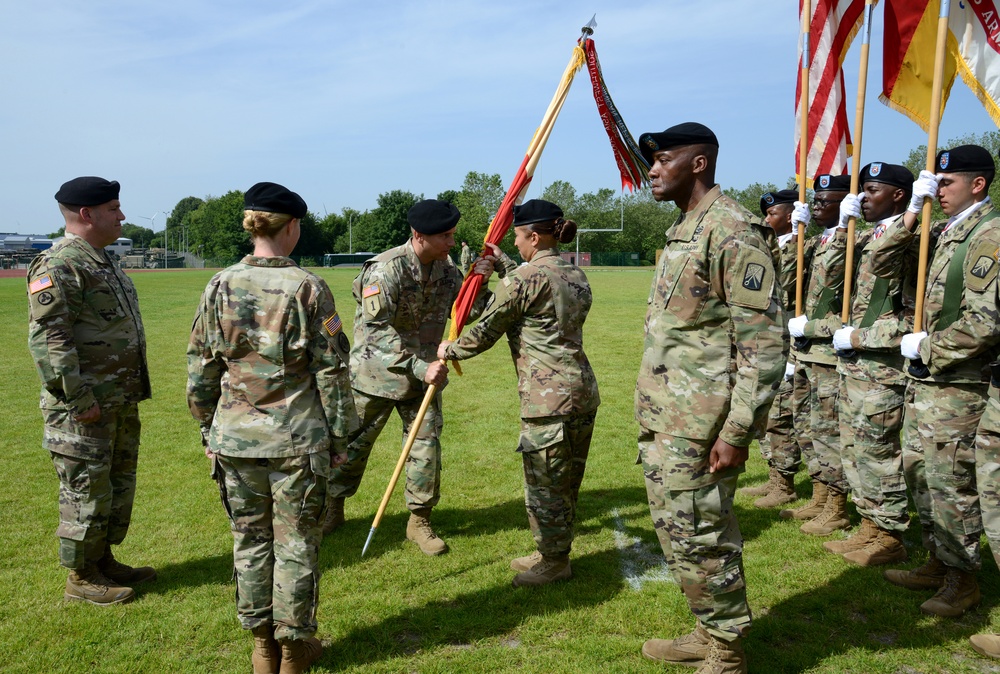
[(859, 122), (800, 235), (917, 367)]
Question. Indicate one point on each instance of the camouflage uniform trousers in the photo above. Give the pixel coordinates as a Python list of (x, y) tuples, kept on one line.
[(277, 507), (802, 421), (947, 418), (824, 425), (554, 453), (871, 417), (780, 447), (96, 465), (423, 466), (988, 470), (698, 531), (914, 470)]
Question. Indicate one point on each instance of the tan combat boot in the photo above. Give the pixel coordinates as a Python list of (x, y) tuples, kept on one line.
[(334, 515), (811, 509), (690, 649), (928, 576), (549, 570), (90, 585), (724, 657), (123, 574), (782, 492), (298, 654), (266, 656), (763, 489), (833, 517), (418, 530), (959, 593), (865, 534), (525, 563), (886, 548), (986, 644)]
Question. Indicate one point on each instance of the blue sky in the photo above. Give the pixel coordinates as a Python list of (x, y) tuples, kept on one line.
[(342, 101)]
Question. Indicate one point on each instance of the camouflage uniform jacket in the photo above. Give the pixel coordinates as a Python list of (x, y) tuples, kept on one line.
[(85, 332), (826, 281), (400, 320), (878, 358), (715, 343), (268, 363), (541, 306), (959, 353), (788, 261)]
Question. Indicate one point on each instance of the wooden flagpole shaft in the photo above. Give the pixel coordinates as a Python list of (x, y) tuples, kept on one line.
[(407, 446), (932, 139), (800, 235), (859, 123)]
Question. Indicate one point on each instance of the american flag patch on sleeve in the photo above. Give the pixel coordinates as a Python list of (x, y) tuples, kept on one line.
[(333, 324), (40, 284), (373, 289)]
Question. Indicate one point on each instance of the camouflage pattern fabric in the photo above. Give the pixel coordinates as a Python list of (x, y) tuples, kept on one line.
[(554, 453), (871, 418), (780, 447), (423, 465), (277, 509), (541, 307), (988, 470), (914, 469), (96, 487), (826, 275), (788, 269), (86, 337), (698, 532), (465, 259), (268, 363), (715, 344), (824, 424), (802, 396)]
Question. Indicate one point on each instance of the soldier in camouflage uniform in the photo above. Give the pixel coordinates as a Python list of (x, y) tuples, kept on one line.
[(404, 298), (988, 483), (86, 337), (873, 381), (780, 447), (813, 331), (949, 369), (714, 354), (269, 383), (465, 258), (541, 307)]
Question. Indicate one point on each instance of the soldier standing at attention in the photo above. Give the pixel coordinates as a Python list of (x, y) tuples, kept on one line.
[(268, 382), (821, 303), (404, 299), (541, 307), (873, 382), (780, 448), (465, 258), (949, 369), (714, 355), (86, 337)]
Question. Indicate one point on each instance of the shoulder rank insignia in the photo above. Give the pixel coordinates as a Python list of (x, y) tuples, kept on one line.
[(40, 284), (983, 266), (333, 324), (753, 277), (373, 289)]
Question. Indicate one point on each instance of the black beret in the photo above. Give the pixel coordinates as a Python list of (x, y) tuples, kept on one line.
[(833, 183), (88, 191), (536, 210), (890, 174), (687, 133), (965, 158), (769, 199), (431, 216), (274, 198)]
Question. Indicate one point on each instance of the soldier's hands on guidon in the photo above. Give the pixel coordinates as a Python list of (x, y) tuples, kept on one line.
[(925, 186), (850, 207), (443, 348), (437, 374), (909, 346), (797, 326), (842, 339), (800, 215)]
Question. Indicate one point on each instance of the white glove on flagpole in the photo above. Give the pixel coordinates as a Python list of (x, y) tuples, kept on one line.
[(842, 339), (797, 325), (850, 207), (910, 346), (924, 186), (800, 215)]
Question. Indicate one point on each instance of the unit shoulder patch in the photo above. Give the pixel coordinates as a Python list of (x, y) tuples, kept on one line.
[(981, 266), (753, 280)]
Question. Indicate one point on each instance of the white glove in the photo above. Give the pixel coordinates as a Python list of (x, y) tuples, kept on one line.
[(789, 370), (924, 186), (797, 326), (842, 339), (850, 207), (910, 346), (800, 215)]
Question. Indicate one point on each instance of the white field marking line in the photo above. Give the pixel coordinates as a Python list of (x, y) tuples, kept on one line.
[(640, 562)]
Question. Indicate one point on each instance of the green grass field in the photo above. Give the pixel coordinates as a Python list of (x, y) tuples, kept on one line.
[(399, 611)]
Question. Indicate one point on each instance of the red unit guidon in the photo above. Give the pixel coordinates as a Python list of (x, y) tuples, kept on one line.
[(40, 284), (333, 324)]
